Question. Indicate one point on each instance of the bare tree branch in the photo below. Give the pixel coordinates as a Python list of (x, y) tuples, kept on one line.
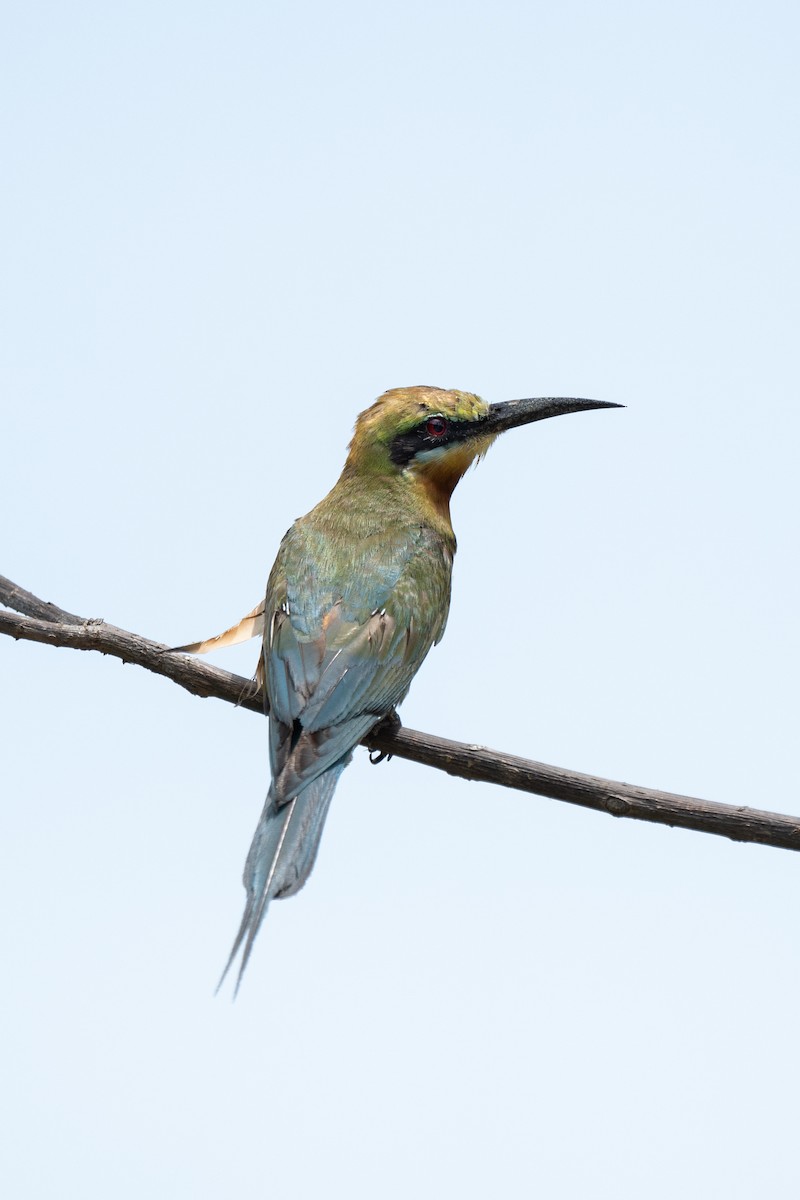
[(46, 623)]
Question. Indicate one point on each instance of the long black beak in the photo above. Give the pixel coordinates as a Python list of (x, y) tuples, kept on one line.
[(521, 412)]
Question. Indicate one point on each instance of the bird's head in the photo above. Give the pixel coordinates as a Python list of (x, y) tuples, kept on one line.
[(433, 435)]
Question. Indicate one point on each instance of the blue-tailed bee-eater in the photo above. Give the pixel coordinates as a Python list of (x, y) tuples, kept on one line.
[(358, 594)]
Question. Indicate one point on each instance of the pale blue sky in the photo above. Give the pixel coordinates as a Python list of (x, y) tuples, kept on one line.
[(226, 229)]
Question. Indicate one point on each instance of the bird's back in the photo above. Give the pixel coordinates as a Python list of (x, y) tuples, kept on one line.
[(358, 594)]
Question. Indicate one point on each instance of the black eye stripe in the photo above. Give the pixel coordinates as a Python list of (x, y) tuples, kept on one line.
[(406, 446)]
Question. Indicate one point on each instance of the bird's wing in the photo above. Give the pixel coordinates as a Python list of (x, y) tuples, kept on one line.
[(336, 664)]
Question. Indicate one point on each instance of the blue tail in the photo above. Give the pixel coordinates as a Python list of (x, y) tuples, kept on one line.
[(282, 855)]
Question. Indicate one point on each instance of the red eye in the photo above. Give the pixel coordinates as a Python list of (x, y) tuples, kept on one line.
[(436, 427)]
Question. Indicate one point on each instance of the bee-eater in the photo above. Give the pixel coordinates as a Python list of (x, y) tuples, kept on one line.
[(359, 593)]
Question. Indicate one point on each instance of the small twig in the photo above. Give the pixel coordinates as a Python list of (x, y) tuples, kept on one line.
[(53, 626), (13, 596), (199, 678)]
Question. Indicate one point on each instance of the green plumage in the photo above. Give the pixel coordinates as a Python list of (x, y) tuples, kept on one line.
[(358, 595)]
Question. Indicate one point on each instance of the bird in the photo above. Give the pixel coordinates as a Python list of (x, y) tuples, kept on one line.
[(357, 596)]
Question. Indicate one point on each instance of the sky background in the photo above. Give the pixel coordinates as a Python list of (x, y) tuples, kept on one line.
[(225, 230)]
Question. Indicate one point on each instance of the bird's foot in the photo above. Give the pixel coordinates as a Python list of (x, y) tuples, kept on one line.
[(388, 725)]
